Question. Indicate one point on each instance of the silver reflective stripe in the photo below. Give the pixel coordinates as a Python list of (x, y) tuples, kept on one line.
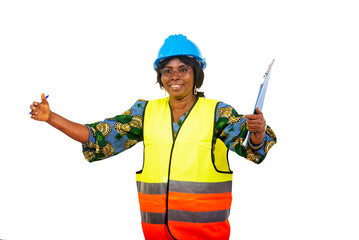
[(152, 188), (198, 217), (200, 187), (153, 218)]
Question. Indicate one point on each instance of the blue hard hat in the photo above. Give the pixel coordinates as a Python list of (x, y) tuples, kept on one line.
[(179, 45)]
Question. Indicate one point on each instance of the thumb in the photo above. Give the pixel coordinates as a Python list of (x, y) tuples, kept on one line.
[(258, 111), (43, 99)]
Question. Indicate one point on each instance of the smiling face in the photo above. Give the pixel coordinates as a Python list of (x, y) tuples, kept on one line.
[(180, 84)]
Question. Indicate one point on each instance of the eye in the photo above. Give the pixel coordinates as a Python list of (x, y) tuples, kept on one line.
[(167, 71), (184, 70)]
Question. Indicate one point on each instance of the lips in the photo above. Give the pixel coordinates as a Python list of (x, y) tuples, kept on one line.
[(176, 86)]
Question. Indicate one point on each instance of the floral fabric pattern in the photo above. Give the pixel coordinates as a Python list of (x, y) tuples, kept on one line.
[(115, 135)]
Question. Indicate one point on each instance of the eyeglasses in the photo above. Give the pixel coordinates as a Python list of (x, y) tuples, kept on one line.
[(168, 72)]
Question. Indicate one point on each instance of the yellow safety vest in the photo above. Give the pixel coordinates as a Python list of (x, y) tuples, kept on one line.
[(185, 184)]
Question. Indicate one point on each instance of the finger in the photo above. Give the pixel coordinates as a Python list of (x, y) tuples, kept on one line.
[(253, 117), (249, 116), (250, 123), (254, 122), (43, 99), (253, 127), (33, 109)]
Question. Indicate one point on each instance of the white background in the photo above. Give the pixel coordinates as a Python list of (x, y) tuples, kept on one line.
[(94, 59)]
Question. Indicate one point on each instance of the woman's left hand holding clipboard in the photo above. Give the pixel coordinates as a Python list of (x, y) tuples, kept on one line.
[(257, 125)]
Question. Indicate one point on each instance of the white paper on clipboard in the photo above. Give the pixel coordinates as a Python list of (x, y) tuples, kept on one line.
[(260, 98)]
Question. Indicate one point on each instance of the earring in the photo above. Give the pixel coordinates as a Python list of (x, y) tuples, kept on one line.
[(195, 91)]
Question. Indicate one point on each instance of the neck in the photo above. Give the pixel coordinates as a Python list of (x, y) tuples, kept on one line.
[(183, 104)]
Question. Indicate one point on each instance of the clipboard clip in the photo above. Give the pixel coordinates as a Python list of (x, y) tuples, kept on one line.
[(269, 67)]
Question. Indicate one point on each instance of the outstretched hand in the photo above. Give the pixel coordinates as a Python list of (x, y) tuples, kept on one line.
[(40, 111), (257, 125)]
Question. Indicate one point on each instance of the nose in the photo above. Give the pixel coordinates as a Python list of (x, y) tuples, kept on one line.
[(175, 72)]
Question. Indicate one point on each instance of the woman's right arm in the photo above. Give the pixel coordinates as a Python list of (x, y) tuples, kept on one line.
[(42, 112)]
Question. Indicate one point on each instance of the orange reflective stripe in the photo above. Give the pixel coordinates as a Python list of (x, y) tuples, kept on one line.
[(155, 232), (200, 231), (199, 202), (152, 202), (183, 185)]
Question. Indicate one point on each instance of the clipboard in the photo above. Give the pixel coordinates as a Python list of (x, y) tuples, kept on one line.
[(261, 96)]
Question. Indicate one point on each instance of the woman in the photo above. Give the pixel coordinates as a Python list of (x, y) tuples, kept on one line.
[(184, 186)]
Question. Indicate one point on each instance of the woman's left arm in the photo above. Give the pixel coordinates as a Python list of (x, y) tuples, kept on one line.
[(232, 128)]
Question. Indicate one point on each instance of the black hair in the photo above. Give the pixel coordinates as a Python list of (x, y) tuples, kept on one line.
[(191, 61)]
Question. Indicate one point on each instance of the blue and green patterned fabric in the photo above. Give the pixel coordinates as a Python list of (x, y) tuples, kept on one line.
[(117, 134)]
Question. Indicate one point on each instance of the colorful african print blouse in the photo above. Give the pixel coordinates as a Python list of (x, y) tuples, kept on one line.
[(115, 135)]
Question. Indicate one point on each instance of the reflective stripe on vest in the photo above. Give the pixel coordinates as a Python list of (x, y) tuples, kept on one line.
[(185, 183)]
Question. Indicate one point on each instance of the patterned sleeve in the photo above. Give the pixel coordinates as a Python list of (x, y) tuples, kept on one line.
[(231, 128), (115, 135)]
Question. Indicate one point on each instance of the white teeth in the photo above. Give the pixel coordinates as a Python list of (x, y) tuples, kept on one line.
[(175, 86)]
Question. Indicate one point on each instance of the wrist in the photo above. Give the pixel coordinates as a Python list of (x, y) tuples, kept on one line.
[(50, 117), (257, 137), (255, 146)]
